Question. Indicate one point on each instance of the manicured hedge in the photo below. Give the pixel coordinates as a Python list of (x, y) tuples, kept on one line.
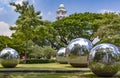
[(37, 61)]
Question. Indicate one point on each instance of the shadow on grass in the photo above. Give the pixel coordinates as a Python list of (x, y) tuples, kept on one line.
[(92, 75), (75, 67), (9, 68)]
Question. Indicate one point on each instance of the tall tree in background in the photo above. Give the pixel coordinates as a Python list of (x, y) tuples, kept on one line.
[(26, 22), (86, 25), (76, 25)]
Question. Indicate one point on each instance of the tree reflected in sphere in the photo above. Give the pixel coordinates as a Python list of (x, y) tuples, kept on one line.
[(77, 51), (9, 58), (61, 57), (104, 60)]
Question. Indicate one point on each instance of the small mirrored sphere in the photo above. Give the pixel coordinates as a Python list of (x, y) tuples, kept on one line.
[(104, 60), (9, 58), (61, 57), (77, 52)]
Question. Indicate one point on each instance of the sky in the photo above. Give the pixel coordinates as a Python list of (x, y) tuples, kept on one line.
[(48, 9)]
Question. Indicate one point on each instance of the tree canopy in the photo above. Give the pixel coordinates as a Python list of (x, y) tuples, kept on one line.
[(83, 25), (109, 31), (39, 38)]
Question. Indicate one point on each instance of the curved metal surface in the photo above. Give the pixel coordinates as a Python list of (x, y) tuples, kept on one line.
[(77, 51), (61, 57), (9, 58), (104, 60)]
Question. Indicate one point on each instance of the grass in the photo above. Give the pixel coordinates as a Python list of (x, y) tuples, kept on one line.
[(44, 66), (42, 75), (49, 75), (52, 75)]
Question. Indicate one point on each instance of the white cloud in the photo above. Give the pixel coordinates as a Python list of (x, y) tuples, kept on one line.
[(6, 2), (19, 1), (16, 1), (4, 29), (106, 10)]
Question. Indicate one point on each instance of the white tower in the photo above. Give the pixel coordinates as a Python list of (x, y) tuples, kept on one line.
[(61, 12)]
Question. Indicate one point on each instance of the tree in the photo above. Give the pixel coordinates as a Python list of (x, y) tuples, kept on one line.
[(109, 31), (74, 26), (36, 51), (28, 19), (43, 34), (49, 52), (5, 41), (26, 22)]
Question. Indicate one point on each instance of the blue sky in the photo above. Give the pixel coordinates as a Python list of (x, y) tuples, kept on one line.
[(48, 9)]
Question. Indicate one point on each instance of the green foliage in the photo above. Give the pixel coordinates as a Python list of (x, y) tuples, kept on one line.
[(30, 31), (32, 34), (4, 42), (109, 31), (86, 25), (74, 26), (25, 30), (28, 19), (43, 34), (36, 52), (42, 52), (37, 61), (49, 52)]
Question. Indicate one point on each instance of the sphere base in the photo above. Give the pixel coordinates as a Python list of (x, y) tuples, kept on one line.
[(104, 74), (10, 66), (63, 62), (79, 65)]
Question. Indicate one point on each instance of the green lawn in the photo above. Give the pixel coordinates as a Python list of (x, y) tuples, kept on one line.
[(44, 66), (42, 75), (52, 75), (49, 75)]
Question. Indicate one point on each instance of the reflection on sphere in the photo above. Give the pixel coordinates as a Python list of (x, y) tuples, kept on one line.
[(60, 56), (9, 58), (77, 51), (104, 60)]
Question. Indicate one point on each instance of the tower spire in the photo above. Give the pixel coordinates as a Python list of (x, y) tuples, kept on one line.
[(61, 12)]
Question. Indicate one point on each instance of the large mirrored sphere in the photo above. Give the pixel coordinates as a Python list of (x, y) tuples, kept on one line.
[(104, 59), (61, 57), (9, 58), (78, 52)]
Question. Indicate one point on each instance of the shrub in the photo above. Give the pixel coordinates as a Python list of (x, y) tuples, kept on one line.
[(37, 61)]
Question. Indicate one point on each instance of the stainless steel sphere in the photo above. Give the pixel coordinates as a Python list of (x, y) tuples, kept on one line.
[(104, 60), (9, 58), (61, 57), (78, 52)]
